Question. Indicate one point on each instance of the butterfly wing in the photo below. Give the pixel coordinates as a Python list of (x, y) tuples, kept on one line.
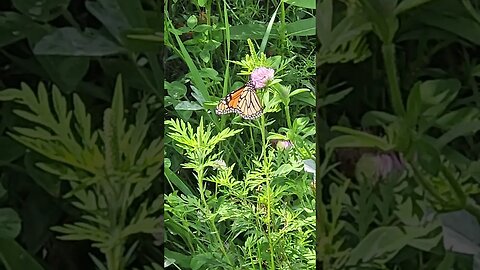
[(229, 103), (243, 101), (249, 105)]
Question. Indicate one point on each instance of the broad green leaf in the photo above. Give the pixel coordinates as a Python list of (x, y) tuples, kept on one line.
[(177, 182), (382, 242), (302, 3), (428, 156), (15, 257), (141, 40), (381, 13), (248, 31), (409, 4), (133, 11), (377, 118), (357, 138), (462, 26), (450, 119), (179, 258), (109, 13), (284, 170), (65, 71), (414, 105), (332, 98), (464, 236), (458, 130), (42, 10), (69, 41), (304, 27), (188, 106), (10, 223), (15, 27)]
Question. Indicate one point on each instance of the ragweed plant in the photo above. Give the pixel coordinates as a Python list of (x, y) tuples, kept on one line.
[(230, 223), (108, 170)]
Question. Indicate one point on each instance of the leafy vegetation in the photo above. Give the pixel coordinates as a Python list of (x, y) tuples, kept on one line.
[(398, 185), (80, 162), (240, 191)]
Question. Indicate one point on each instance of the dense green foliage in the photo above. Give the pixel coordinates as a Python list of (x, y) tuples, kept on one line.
[(80, 162), (404, 133), (237, 199)]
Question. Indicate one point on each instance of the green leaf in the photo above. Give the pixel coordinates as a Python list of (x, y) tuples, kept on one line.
[(15, 27), (458, 130), (141, 40), (10, 223), (109, 13), (428, 156), (382, 15), (377, 118), (176, 181), (304, 27), (248, 31), (302, 3), (66, 72), (176, 89), (457, 24), (42, 10), (192, 21), (414, 105), (357, 139), (132, 10), (14, 257), (10, 94), (179, 258), (71, 42), (380, 245), (450, 119), (332, 98), (188, 106), (409, 4), (462, 237)]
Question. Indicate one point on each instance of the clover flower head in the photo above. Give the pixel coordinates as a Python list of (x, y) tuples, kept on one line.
[(387, 163), (261, 75)]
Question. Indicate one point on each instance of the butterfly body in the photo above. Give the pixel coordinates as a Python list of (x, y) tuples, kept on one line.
[(243, 101)]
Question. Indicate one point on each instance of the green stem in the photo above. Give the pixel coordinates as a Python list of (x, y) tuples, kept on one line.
[(388, 51), (287, 115), (269, 220), (264, 139), (200, 172)]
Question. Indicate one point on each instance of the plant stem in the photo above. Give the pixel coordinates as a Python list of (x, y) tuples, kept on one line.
[(264, 140), (388, 51), (269, 219), (287, 115), (200, 172)]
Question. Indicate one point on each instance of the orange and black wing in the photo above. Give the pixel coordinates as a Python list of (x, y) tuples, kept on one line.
[(243, 101)]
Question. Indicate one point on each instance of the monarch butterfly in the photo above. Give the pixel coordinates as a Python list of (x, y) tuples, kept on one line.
[(243, 101)]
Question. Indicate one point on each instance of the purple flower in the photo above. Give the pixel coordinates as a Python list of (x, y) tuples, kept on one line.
[(281, 144), (260, 76), (387, 163)]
